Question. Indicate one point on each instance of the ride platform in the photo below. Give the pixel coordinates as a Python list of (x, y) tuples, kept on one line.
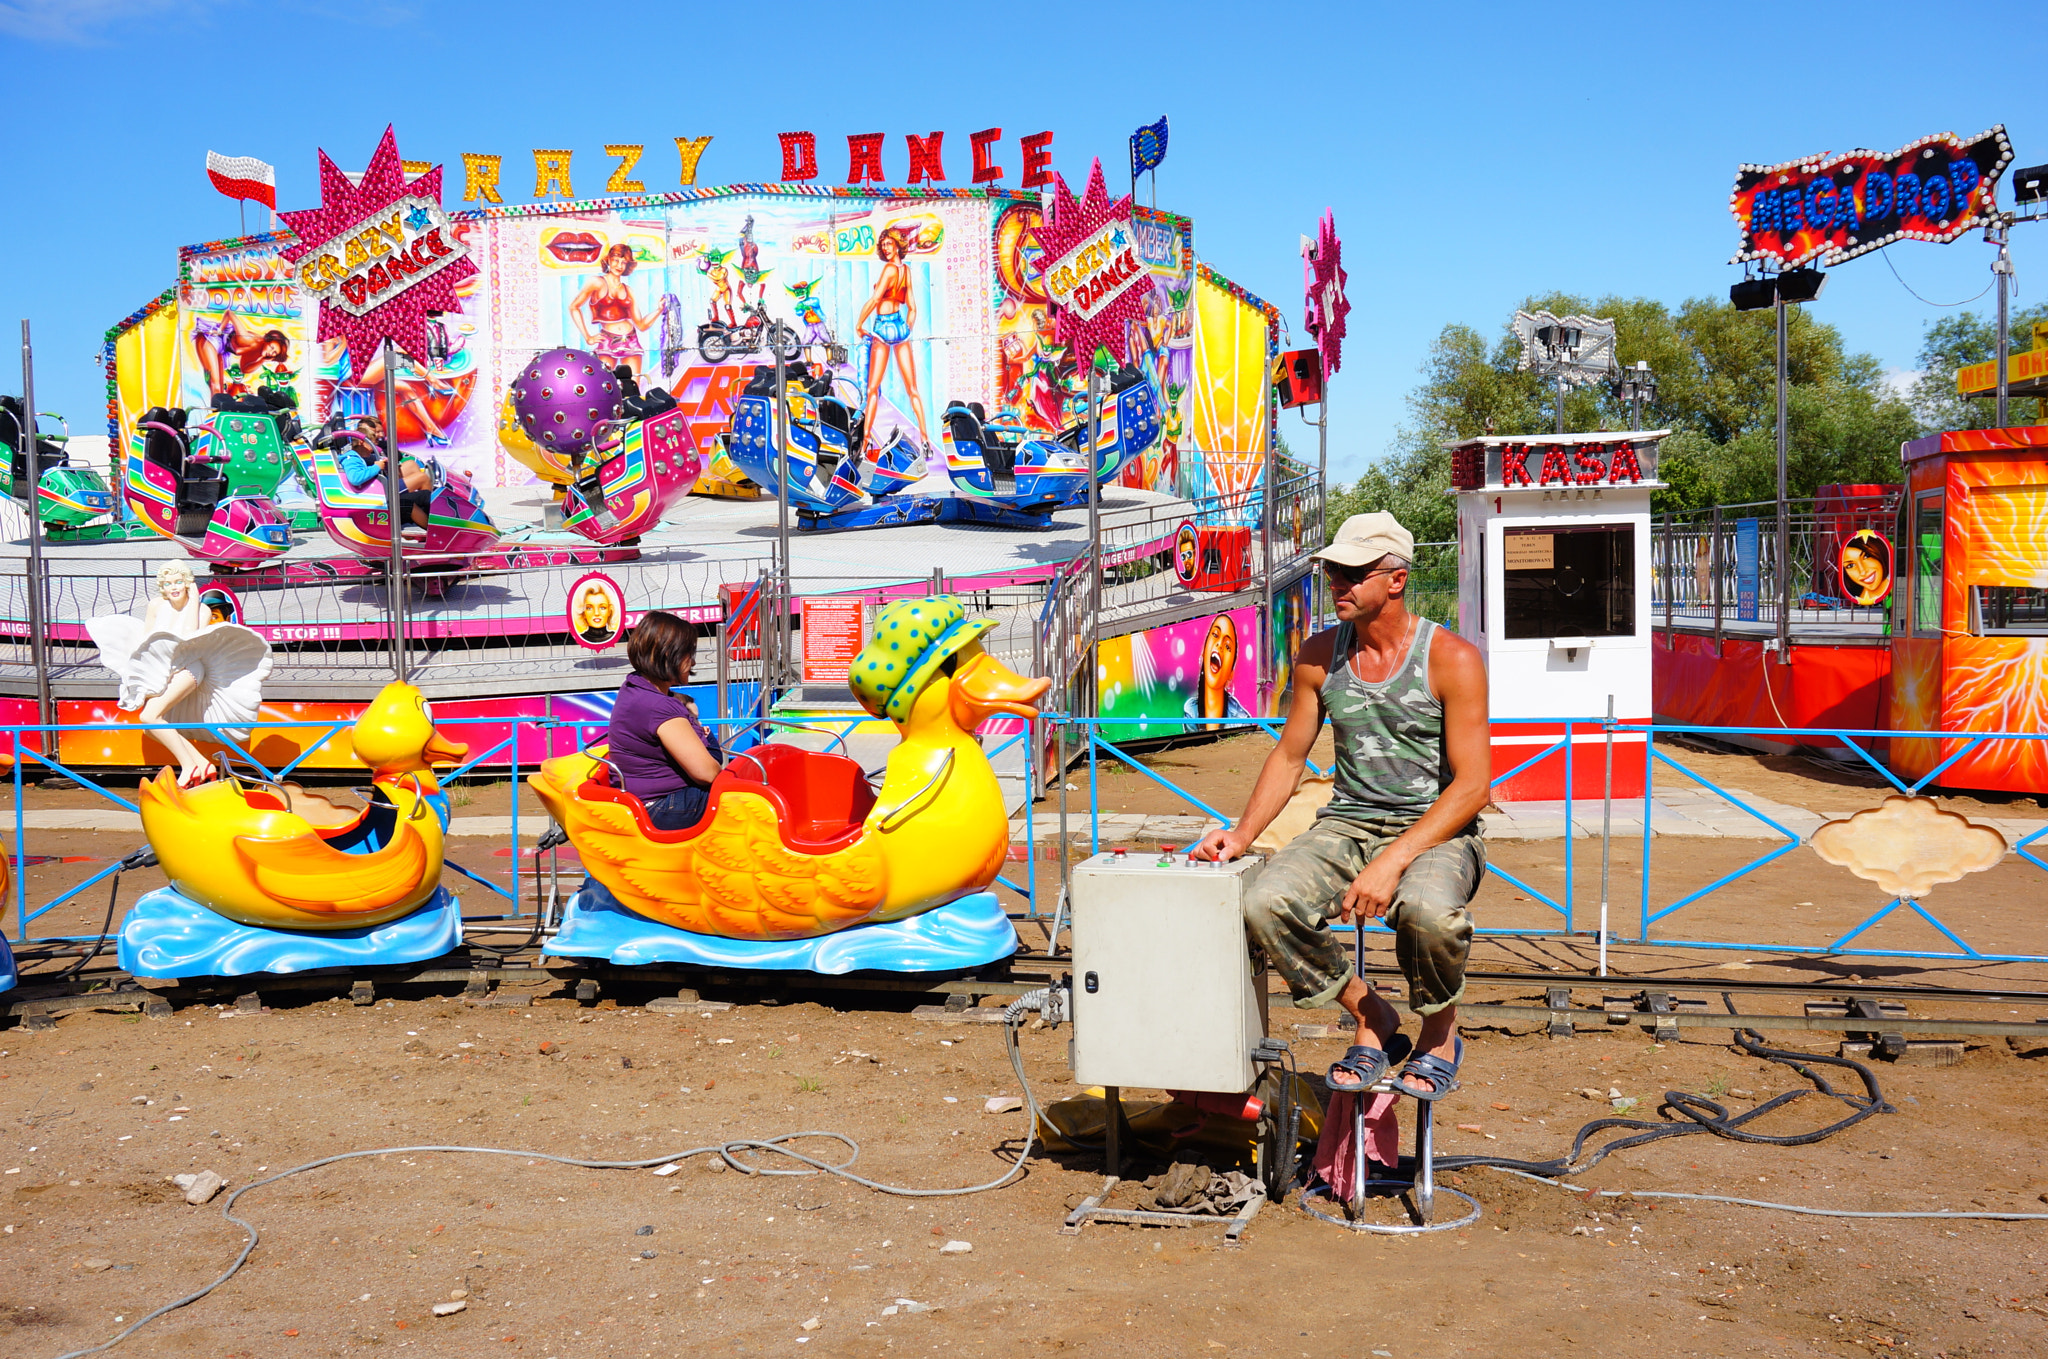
[(503, 628)]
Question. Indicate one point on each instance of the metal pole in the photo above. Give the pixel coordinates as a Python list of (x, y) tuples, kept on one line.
[(1560, 402), (2002, 267), (1719, 646), (1266, 575), (1784, 510), (1670, 576), (38, 576), (1094, 535), (1606, 831), (394, 569), (782, 482)]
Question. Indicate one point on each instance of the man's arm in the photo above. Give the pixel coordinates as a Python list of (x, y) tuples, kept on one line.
[(1281, 773), (1459, 676)]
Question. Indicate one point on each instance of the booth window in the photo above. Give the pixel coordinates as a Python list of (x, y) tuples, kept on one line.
[(1927, 517), (2011, 610), (1569, 581)]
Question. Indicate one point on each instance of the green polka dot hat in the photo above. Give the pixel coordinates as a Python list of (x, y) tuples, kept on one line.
[(913, 638)]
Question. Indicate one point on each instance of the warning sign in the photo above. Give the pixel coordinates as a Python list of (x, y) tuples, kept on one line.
[(833, 630), (1529, 552)]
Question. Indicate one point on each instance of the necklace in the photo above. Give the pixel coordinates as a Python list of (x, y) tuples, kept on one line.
[(1358, 654)]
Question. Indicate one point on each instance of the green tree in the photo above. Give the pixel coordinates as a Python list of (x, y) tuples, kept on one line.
[(1963, 339), (1716, 391)]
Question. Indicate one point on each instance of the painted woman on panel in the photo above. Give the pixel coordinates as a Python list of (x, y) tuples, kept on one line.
[(1866, 568), (609, 315), (232, 352), (887, 320)]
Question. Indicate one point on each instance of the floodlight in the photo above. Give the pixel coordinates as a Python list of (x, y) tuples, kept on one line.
[(2030, 185), (1753, 294), (1801, 285)]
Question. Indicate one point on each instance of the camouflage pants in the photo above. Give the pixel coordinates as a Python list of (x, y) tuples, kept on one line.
[(1288, 910)]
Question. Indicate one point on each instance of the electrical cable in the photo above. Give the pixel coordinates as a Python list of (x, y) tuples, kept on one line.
[(141, 858), (1886, 252), (1982, 1214), (730, 1151), (1706, 1116)]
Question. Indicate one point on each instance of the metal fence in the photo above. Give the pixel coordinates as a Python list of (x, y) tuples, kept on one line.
[(1084, 744), (1720, 569)]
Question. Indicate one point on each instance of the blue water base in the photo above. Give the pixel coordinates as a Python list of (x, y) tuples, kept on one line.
[(962, 934), (167, 934), (7, 973)]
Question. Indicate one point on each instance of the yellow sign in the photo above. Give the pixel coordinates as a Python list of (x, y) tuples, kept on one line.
[(2030, 367)]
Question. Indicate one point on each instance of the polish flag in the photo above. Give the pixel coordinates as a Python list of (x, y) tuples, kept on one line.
[(243, 177)]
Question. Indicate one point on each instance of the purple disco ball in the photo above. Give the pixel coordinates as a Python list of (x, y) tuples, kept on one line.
[(562, 397)]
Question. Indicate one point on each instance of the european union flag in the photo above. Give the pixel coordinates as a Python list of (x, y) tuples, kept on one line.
[(1148, 147)]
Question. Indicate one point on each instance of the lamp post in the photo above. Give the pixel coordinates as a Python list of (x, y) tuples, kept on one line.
[(1779, 292), (1636, 388), (1561, 347)]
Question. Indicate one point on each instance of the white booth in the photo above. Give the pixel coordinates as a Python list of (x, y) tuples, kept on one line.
[(1554, 589)]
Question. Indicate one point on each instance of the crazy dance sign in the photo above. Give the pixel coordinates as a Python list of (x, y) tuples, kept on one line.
[(1093, 276), (1837, 207), (379, 255)]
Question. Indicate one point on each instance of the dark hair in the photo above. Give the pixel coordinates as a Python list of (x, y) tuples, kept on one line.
[(660, 646), (604, 266), (1872, 545), (281, 340), (895, 237)]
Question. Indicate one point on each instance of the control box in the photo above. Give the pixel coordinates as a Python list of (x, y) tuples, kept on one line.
[(1163, 992)]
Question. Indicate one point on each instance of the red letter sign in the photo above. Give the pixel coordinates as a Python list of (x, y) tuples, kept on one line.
[(799, 155), (986, 171), (864, 157)]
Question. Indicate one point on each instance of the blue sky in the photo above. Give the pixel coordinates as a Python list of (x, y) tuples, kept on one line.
[(1474, 154)]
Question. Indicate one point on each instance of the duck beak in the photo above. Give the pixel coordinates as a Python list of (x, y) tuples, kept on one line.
[(985, 686), (440, 750)]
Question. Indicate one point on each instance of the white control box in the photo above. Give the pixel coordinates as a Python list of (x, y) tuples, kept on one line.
[(1163, 992)]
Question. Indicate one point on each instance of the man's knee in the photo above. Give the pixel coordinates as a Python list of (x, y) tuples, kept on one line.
[(1262, 908)]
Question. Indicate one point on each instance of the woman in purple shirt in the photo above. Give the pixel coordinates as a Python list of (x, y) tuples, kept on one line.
[(664, 755)]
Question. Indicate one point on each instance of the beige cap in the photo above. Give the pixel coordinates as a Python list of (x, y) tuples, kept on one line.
[(1365, 538)]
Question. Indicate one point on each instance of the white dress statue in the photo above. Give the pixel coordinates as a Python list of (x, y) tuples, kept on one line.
[(185, 660)]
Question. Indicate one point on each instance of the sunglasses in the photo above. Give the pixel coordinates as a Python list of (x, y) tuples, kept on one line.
[(1356, 575)]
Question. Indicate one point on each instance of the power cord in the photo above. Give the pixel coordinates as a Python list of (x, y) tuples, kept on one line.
[(1049, 1001), (141, 858)]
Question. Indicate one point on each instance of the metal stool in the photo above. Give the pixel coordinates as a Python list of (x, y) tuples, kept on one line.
[(1423, 1183)]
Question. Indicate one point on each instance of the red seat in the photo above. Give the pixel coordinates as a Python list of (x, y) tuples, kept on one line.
[(823, 798), (820, 800)]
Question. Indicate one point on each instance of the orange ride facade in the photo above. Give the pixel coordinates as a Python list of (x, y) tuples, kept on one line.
[(1970, 616)]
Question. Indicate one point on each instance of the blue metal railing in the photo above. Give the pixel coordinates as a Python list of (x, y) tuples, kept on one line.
[(1658, 900)]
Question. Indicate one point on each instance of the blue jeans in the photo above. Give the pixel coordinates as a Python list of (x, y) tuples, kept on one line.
[(679, 810), (675, 811)]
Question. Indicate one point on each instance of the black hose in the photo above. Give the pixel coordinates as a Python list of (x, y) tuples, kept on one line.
[(141, 858), (1704, 1115)]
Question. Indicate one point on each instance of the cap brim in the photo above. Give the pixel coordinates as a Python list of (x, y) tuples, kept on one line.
[(956, 636), (1348, 554)]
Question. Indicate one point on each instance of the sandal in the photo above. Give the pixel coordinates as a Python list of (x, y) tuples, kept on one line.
[(1441, 1076), (1368, 1064)]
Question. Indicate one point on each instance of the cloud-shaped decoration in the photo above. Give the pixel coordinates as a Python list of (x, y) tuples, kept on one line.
[(1908, 844)]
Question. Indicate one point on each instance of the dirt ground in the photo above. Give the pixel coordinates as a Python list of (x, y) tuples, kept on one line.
[(553, 1261)]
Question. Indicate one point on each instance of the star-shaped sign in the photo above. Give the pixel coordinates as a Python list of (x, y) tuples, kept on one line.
[(379, 256), (1092, 274), (1323, 280)]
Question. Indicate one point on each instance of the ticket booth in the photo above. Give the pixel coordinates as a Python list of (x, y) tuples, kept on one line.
[(1554, 589)]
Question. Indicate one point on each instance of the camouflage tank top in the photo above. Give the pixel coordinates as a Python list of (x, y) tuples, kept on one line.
[(1391, 761)]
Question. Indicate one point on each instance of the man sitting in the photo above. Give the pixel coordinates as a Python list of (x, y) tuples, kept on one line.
[(1399, 838)]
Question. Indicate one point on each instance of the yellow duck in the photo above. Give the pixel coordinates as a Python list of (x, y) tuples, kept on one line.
[(794, 844), (242, 851)]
